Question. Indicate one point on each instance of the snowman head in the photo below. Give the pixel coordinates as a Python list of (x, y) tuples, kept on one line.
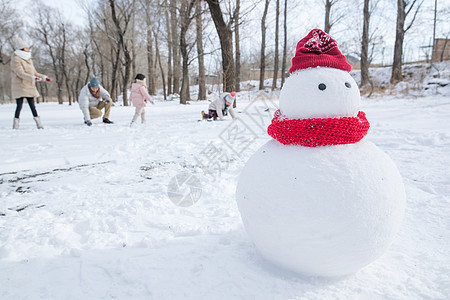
[(320, 85)]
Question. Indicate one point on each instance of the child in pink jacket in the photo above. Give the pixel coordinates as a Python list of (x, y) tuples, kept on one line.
[(139, 97)]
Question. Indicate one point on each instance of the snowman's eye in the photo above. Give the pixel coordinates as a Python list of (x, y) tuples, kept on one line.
[(348, 85), (322, 86)]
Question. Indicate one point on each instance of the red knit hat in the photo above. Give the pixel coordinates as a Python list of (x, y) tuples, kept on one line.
[(318, 49)]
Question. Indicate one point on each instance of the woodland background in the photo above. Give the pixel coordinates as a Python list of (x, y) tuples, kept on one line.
[(212, 43)]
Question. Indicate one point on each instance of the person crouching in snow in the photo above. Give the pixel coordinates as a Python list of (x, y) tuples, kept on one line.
[(93, 98), (139, 97), (221, 107), (23, 81)]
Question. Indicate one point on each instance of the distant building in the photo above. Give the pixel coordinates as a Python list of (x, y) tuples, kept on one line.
[(268, 73), (353, 61), (441, 50), (209, 79)]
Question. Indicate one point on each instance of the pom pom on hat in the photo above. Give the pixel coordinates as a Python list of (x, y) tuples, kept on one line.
[(21, 44), (94, 82), (233, 94), (318, 49)]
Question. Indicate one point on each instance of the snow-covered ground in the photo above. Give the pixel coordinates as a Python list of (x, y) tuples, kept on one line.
[(85, 213)]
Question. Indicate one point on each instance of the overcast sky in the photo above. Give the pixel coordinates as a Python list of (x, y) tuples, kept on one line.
[(70, 8), (301, 19)]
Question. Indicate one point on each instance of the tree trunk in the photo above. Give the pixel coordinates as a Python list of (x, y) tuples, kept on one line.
[(328, 4), (63, 63), (133, 47), (398, 47), (185, 15), (102, 64), (86, 62), (126, 79), (184, 92), (237, 47), (58, 75), (76, 86), (365, 46), (56, 69), (201, 59), (161, 67), (175, 46), (226, 44), (121, 33), (114, 80), (275, 64), (169, 51), (188, 91), (150, 65), (69, 92), (283, 65), (262, 66), (59, 92)]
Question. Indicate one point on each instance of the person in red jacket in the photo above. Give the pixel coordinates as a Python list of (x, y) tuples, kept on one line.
[(139, 97)]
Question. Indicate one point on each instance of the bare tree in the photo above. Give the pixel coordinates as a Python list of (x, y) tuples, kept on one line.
[(103, 57), (275, 65), (332, 14), (10, 24), (237, 46), (127, 12), (49, 30), (226, 43), (76, 63), (328, 5), (201, 60), (365, 46), (186, 18), (161, 69), (169, 50), (239, 19), (147, 5), (404, 8), (262, 64), (175, 46), (65, 31), (159, 17), (133, 45), (283, 64), (86, 62)]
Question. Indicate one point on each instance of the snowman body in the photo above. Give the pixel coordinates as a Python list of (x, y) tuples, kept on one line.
[(321, 211)]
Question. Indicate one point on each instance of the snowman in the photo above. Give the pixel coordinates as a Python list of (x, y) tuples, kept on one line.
[(319, 199)]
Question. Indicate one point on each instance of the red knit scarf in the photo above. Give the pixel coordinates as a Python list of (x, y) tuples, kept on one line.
[(318, 131)]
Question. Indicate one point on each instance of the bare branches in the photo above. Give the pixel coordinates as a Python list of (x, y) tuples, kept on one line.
[(226, 41), (126, 13), (419, 5), (402, 12)]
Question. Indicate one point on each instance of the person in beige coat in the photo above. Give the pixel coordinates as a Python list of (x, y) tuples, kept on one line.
[(23, 81)]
